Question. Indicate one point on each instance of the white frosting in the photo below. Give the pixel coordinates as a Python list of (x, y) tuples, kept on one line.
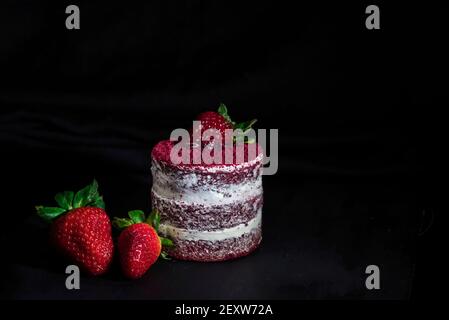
[(187, 190), (228, 168), (216, 235)]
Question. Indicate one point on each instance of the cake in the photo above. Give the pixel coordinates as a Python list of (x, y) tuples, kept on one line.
[(211, 212)]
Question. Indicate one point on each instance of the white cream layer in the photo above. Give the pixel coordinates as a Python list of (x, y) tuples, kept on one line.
[(216, 235), (186, 188)]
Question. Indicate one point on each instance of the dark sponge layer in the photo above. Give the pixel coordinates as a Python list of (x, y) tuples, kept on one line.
[(206, 218), (209, 251)]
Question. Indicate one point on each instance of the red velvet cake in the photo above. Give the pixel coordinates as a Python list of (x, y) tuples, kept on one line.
[(211, 212)]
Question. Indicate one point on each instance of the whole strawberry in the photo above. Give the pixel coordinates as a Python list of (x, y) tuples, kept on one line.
[(81, 229), (219, 121), (139, 245)]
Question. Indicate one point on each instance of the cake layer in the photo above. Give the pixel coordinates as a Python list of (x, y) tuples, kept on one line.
[(218, 175), (203, 217), (203, 189), (207, 173), (219, 250), (211, 235), (198, 216)]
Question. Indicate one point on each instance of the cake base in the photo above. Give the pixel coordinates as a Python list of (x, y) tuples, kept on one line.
[(210, 251)]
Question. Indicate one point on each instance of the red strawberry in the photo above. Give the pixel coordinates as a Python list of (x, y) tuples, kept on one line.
[(82, 229), (213, 120), (220, 121), (210, 120), (139, 245)]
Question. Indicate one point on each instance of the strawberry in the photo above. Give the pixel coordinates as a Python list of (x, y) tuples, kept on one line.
[(219, 121), (139, 245), (210, 120), (81, 229), (213, 120)]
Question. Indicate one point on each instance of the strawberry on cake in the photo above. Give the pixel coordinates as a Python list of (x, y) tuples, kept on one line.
[(212, 212)]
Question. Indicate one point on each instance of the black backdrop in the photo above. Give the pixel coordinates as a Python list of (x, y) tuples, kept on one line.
[(355, 109)]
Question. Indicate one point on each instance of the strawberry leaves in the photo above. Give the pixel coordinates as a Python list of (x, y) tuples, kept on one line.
[(65, 199), (68, 200), (244, 126), (154, 219), (99, 203), (137, 216), (223, 111), (164, 255), (87, 195), (166, 242), (49, 213), (122, 223)]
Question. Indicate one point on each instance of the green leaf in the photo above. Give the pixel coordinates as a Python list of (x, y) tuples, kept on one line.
[(166, 242), (87, 195), (81, 197), (99, 203), (154, 219), (93, 194), (121, 223), (223, 111), (164, 255), (65, 199), (245, 126), (49, 213), (137, 216)]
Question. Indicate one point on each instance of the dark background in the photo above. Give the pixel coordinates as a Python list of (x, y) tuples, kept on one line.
[(358, 113)]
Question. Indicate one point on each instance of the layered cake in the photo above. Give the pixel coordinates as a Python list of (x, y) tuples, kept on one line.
[(211, 212)]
